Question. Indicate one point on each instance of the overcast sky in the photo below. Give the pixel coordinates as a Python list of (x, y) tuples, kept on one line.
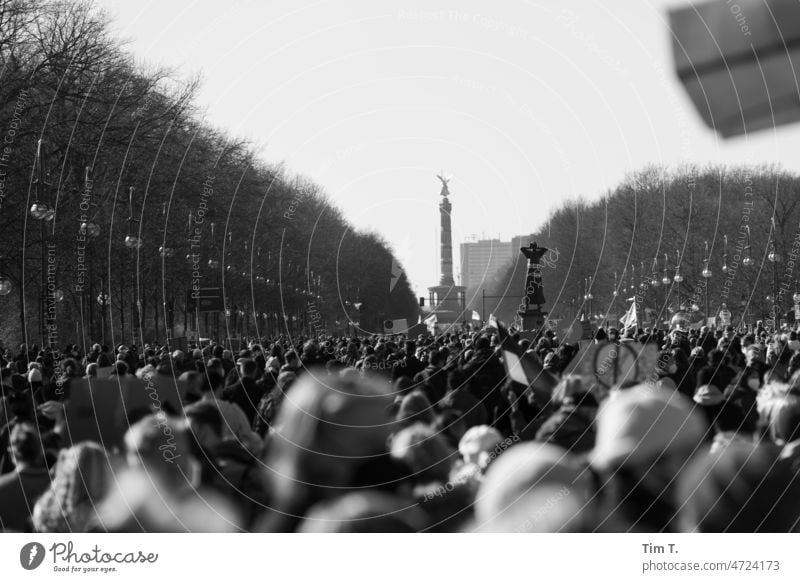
[(524, 103)]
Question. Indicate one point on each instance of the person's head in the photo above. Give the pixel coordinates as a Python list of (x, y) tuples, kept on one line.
[(291, 359), (120, 369), (327, 431), (613, 334), (91, 370), (479, 445), (81, 479), (247, 367), (363, 512), (754, 354), (159, 445), (415, 408), (25, 445), (425, 452), (741, 489), (437, 358), (784, 421), (205, 423), (526, 479), (213, 382), (273, 364), (646, 431)]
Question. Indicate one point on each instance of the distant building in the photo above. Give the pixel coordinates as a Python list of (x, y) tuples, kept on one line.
[(484, 263), (482, 260)]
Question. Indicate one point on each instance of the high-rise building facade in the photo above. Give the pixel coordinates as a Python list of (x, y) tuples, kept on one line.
[(481, 260)]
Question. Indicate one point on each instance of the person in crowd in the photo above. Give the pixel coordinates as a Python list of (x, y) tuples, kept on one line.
[(485, 376), (235, 423), (226, 465), (432, 379), (408, 365), (572, 425), (292, 363), (160, 489), (645, 436), (535, 487), (743, 488), (328, 443), (270, 403), (81, 479), (29, 479), (246, 392)]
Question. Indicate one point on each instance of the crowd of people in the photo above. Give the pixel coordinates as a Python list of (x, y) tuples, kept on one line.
[(398, 434)]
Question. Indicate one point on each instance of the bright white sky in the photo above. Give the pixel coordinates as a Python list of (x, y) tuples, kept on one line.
[(525, 103)]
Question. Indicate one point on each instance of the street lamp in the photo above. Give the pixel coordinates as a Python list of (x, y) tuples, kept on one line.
[(44, 213), (706, 275), (725, 254), (678, 278), (743, 306), (747, 261), (5, 283), (102, 301), (774, 257), (589, 296), (654, 281)]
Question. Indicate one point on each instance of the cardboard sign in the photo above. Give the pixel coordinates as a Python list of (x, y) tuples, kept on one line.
[(612, 365), (99, 410), (94, 412)]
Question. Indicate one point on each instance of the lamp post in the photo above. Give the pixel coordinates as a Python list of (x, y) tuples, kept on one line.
[(796, 299), (725, 254), (706, 276), (44, 213), (743, 306), (102, 301), (5, 283), (747, 260), (655, 282), (774, 258), (678, 278), (590, 297), (665, 280), (134, 243)]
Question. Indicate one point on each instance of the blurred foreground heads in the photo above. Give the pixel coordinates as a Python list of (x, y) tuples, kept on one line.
[(646, 436), (331, 440), (535, 487), (744, 488), (160, 491)]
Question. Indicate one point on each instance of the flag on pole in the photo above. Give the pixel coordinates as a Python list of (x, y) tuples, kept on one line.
[(630, 319), (523, 368), (430, 323), (476, 316)]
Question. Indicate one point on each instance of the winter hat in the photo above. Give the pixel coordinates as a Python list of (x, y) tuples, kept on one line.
[(522, 471), (708, 395), (478, 444), (639, 424), (743, 488), (415, 407), (274, 364)]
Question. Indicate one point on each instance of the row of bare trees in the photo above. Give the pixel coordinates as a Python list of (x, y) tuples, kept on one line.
[(136, 198), (660, 222)]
